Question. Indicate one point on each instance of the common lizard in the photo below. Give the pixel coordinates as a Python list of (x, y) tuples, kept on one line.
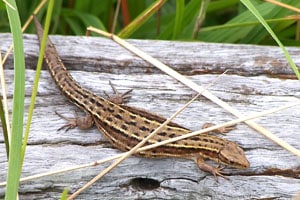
[(125, 126)]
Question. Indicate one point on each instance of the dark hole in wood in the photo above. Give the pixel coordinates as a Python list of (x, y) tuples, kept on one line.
[(144, 183)]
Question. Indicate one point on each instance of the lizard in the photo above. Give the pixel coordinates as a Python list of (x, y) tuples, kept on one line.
[(124, 126)]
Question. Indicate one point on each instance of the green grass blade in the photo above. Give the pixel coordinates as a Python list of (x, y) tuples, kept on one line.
[(245, 24), (141, 19), (217, 6), (14, 162), (64, 195), (178, 18), (3, 116), (200, 18), (37, 77), (191, 10), (252, 34), (78, 21), (4, 128), (254, 11)]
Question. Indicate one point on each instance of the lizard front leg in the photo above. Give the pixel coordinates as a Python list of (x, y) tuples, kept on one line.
[(118, 98), (215, 171), (87, 121)]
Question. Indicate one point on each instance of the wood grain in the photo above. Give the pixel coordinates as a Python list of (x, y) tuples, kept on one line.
[(253, 85)]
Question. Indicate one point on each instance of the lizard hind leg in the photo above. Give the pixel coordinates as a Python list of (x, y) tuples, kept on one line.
[(83, 123), (116, 97), (222, 130)]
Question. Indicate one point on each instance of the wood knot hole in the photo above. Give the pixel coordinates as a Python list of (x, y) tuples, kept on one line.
[(144, 183)]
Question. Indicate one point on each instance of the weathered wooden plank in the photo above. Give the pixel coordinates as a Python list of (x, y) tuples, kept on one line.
[(190, 58), (274, 172)]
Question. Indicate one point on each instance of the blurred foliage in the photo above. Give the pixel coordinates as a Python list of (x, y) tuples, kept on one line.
[(225, 21)]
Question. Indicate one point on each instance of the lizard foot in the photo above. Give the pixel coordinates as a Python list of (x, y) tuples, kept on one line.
[(221, 130), (81, 122), (117, 97), (215, 171)]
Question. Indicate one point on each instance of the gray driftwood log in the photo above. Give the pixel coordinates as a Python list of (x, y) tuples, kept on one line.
[(259, 79)]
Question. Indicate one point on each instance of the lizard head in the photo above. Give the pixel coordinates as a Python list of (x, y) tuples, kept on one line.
[(233, 155)]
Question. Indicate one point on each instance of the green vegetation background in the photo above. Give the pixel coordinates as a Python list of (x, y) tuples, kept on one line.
[(226, 21)]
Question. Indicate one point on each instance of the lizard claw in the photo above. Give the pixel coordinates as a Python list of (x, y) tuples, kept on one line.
[(81, 122), (117, 97), (215, 171)]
